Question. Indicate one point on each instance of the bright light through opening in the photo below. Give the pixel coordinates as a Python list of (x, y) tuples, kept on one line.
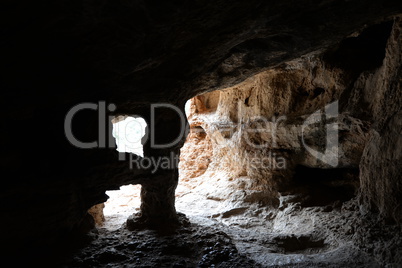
[(120, 205), (187, 108), (128, 134)]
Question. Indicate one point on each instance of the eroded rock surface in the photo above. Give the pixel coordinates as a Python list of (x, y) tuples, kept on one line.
[(382, 159), (265, 118)]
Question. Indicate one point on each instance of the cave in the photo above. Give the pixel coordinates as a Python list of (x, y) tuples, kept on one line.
[(268, 133)]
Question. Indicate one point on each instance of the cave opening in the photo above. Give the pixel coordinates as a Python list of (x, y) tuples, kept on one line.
[(121, 204), (128, 132)]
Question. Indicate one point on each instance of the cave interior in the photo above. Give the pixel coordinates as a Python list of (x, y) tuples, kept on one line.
[(270, 133)]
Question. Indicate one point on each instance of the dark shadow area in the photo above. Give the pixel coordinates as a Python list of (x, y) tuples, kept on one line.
[(191, 245), (363, 52), (321, 187), (301, 243)]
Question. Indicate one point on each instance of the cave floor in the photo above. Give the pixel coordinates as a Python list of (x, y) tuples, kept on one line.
[(231, 234), (206, 242)]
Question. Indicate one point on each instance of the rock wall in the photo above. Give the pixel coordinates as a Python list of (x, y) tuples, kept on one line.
[(259, 134), (256, 127), (380, 167), (196, 154)]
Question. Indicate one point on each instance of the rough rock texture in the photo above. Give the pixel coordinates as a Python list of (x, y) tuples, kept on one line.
[(196, 154), (264, 116), (58, 54), (257, 128), (189, 246), (292, 236), (381, 163)]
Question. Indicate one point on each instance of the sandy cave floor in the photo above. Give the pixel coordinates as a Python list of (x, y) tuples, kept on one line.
[(226, 233)]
